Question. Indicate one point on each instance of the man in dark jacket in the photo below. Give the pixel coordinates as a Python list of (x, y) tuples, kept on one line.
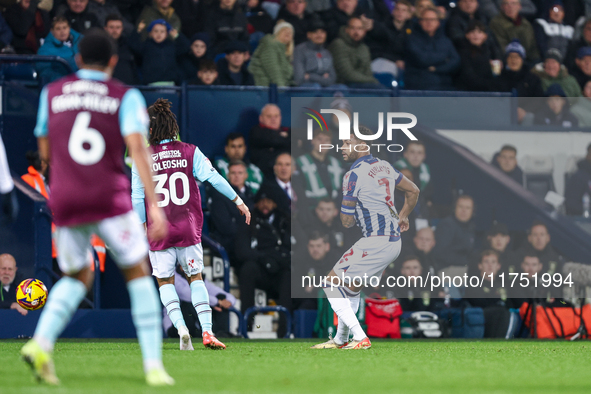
[(268, 139), (460, 17), (226, 23), (578, 185), (265, 248), (455, 236), (77, 13), (279, 185), (538, 244), (476, 53), (575, 45), (339, 16), (506, 161), (386, 40), (29, 24), (556, 111), (9, 280), (294, 12), (126, 68), (232, 70), (431, 58), (225, 222), (582, 70)]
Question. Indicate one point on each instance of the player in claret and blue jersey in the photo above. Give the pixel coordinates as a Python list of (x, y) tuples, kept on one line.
[(84, 122), (368, 201), (176, 167)]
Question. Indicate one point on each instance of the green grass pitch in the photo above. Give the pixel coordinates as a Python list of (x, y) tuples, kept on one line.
[(284, 366)]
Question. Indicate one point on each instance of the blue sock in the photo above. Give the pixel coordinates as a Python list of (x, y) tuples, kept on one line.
[(200, 300), (170, 300), (147, 318), (62, 302)]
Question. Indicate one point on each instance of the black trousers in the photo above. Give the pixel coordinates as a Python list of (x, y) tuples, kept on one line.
[(254, 276)]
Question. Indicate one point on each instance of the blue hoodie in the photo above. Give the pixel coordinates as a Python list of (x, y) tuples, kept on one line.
[(53, 47)]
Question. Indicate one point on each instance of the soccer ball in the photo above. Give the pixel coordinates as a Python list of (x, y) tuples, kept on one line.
[(31, 294)]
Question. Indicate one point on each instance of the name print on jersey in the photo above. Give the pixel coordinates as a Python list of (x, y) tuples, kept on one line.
[(85, 95)]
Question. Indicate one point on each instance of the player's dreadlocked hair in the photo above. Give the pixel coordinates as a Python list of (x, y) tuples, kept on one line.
[(163, 125)]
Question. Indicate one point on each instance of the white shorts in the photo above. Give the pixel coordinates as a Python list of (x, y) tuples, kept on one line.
[(369, 256), (124, 236), (164, 261)]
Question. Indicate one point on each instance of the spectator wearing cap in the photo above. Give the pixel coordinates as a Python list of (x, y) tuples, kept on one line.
[(78, 15), (516, 76), (226, 22), (189, 62), (506, 161), (352, 59), (159, 10), (556, 111), (294, 12), (551, 32), (551, 72), (575, 45), (29, 25), (582, 108), (232, 69), (259, 20), (159, 54), (126, 69), (582, 71), (272, 60), (386, 40), (63, 42), (477, 55), (312, 62), (510, 25), (431, 59), (578, 185)]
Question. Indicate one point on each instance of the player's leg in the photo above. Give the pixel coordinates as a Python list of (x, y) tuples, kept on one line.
[(191, 260), (125, 236), (73, 244), (163, 268)]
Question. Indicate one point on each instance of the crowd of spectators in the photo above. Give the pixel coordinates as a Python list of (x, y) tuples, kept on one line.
[(487, 45)]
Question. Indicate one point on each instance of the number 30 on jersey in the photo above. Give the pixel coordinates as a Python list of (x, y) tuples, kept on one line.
[(170, 193)]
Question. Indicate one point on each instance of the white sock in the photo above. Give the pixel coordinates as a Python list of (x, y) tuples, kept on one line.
[(342, 335), (342, 307)]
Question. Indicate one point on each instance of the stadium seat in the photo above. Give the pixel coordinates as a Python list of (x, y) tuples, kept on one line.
[(385, 79), (538, 173), (571, 167), (304, 321)]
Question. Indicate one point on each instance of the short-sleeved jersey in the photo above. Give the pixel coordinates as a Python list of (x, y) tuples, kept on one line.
[(371, 183), (85, 117)]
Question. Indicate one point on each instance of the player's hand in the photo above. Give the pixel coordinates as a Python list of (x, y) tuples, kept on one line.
[(159, 227), (403, 223), (19, 309), (244, 211)]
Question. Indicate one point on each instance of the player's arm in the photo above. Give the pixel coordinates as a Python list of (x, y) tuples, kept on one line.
[(142, 160), (411, 196), (348, 212), (204, 171), (350, 193)]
